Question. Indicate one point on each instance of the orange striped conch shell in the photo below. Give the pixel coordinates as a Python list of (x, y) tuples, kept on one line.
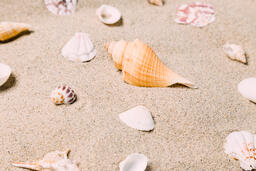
[(141, 66), (9, 30), (156, 2)]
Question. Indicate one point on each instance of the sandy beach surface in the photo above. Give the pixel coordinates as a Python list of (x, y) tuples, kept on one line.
[(190, 124)]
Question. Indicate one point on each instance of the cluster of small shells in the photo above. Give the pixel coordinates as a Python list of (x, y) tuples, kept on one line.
[(132, 58)]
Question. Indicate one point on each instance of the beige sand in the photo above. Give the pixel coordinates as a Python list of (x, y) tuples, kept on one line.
[(191, 125)]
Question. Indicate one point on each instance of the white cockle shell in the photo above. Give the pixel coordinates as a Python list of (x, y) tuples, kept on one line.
[(5, 72), (247, 88), (235, 52), (108, 14), (79, 48), (139, 118), (134, 162), (61, 7)]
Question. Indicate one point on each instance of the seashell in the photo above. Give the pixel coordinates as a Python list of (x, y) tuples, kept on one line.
[(53, 161), (139, 118), (79, 48), (5, 72), (9, 30), (241, 146), (134, 162), (196, 14), (247, 88), (141, 66), (108, 14), (156, 2), (63, 95), (61, 7), (235, 52)]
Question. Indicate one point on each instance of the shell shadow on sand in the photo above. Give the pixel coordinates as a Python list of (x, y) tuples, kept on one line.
[(9, 83), (27, 32), (117, 24)]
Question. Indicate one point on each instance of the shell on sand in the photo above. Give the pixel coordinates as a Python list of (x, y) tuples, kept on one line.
[(196, 14), (139, 118), (79, 48), (9, 30), (241, 146), (63, 95), (53, 161), (141, 66), (108, 14), (247, 88), (134, 162), (156, 2), (61, 7), (5, 72), (235, 52)]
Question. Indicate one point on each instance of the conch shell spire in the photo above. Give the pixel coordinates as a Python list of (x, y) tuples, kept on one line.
[(141, 66)]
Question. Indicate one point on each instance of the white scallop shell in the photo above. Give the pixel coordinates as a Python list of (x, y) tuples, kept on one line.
[(247, 88), (61, 7), (139, 118), (241, 146), (134, 162), (5, 72), (79, 48), (235, 52), (108, 14), (54, 161), (63, 95)]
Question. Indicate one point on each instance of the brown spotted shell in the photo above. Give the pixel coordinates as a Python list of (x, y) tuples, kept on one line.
[(63, 95)]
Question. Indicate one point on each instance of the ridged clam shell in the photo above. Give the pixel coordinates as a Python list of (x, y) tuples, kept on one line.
[(235, 52), (108, 14), (5, 72), (53, 161), (63, 95), (156, 2), (79, 48), (141, 66), (9, 30), (247, 88), (196, 14), (134, 162), (139, 118), (241, 146), (61, 7)]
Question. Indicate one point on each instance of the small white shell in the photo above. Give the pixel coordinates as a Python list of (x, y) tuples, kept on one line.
[(247, 88), (63, 95), (241, 146), (235, 52), (79, 48), (61, 7), (108, 14), (134, 162), (5, 72), (139, 118)]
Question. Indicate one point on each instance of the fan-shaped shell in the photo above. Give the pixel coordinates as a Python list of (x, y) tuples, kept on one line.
[(247, 88), (5, 72), (139, 118), (79, 48), (196, 14), (134, 162), (235, 52), (9, 30), (108, 14), (61, 7), (53, 161), (141, 66), (156, 2), (241, 146), (63, 95)]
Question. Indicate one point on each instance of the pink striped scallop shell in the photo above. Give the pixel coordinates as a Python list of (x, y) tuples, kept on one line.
[(63, 95)]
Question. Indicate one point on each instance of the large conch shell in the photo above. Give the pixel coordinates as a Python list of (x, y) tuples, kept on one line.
[(141, 66), (9, 30), (53, 161)]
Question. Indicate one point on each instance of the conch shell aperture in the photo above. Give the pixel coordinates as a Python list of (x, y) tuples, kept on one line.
[(141, 66)]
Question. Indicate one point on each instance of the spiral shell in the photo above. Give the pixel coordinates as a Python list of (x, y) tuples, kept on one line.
[(63, 95), (141, 66)]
